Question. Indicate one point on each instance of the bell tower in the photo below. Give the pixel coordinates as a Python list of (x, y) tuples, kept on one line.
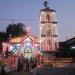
[(48, 32)]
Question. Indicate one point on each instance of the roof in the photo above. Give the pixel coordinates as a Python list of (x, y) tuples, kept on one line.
[(28, 36), (70, 41), (49, 52), (48, 9)]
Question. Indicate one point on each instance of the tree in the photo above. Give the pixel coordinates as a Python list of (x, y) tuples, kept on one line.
[(65, 52), (2, 36), (15, 30)]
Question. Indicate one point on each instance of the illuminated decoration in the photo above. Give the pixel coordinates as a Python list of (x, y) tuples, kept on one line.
[(73, 47), (5, 46), (16, 39), (48, 31), (10, 48), (48, 17), (28, 29), (49, 45), (41, 18), (54, 25), (14, 48), (28, 52), (40, 28), (26, 43), (28, 40), (28, 49), (36, 45), (27, 46), (48, 28)]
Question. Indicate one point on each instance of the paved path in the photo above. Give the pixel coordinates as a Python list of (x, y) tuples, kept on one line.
[(20, 73), (53, 71)]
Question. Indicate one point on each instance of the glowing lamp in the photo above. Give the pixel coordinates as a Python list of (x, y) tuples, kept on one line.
[(40, 28), (28, 30), (54, 25), (3, 44), (27, 39), (11, 48), (42, 12), (41, 40), (36, 44), (28, 44), (40, 18)]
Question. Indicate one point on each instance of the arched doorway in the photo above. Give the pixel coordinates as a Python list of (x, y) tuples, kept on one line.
[(27, 52)]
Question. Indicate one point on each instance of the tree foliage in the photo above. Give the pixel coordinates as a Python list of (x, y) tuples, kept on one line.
[(65, 52), (3, 36), (15, 30)]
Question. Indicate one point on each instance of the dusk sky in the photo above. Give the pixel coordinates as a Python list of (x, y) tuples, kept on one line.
[(27, 12)]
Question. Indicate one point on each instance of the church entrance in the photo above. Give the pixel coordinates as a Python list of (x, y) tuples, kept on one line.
[(27, 52), (27, 55)]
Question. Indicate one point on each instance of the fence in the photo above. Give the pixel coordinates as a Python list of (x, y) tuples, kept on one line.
[(57, 61)]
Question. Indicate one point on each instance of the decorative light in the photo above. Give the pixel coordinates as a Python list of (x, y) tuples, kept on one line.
[(40, 28), (73, 47), (18, 44), (40, 18), (28, 44), (41, 40), (36, 44), (42, 25), (48, 28), (54, 25), (55, 38), (39, 52), (11, 48), (3, 44), (28, 29), (53, 13), (42, 12), (27, 39)]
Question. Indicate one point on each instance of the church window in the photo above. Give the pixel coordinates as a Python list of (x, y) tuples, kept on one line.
[(48, 18), (48, 31)]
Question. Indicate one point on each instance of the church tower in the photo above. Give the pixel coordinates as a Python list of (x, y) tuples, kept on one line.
[(48, 32)]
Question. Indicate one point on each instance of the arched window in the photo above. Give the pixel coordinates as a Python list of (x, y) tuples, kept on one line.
[(49, 43), (48, 31), (48, 17)]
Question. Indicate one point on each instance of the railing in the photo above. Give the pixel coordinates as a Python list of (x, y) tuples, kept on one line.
[(11, 60), (57, 61)]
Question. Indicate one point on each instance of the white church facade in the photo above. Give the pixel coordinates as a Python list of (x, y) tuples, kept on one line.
[(48, 30), (30, 46)]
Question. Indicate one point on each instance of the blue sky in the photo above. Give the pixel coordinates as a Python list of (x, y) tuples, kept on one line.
[(27, 12)]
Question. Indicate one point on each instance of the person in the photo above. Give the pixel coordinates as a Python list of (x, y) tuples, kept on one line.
[(21, 59), (31, 63), (27, 64), (3, 72), (19, 64)]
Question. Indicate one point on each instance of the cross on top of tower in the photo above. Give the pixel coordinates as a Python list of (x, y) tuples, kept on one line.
[(46, 4), (47, 8)]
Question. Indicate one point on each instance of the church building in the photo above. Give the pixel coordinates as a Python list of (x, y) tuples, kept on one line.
[(30, 46), (48, 30)]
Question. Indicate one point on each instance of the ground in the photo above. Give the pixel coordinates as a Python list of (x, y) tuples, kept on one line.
[(20, 73)]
